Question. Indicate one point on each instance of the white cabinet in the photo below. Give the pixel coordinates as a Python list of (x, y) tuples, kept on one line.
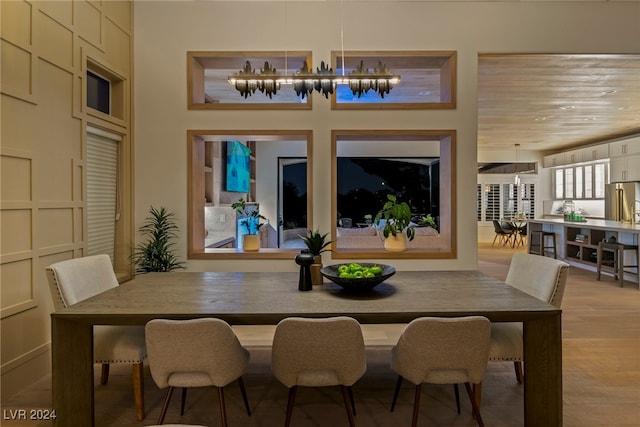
[(624, 147), (626, 168), (553, 160), (596, 152)]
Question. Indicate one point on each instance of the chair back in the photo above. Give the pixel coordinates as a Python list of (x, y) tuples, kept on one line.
[(199, 346), (497, 227), (542, 277), (318, 352), (440, 350), (77, 279)]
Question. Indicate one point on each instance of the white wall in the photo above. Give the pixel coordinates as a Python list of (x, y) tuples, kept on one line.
[(165, 31)]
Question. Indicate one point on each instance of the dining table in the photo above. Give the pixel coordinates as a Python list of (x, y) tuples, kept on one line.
[(265, 298)]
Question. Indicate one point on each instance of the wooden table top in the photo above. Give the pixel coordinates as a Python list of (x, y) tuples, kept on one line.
[(266, 298)]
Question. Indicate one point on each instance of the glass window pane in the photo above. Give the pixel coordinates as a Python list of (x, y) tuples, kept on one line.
[(559, 184), (588, 182), (579, 186), (568, 183), (599, 181)]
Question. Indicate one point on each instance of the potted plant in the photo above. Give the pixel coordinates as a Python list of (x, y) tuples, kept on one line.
[(396, 228), (156, 254), (316, 244), (428, 221), (251, 222)]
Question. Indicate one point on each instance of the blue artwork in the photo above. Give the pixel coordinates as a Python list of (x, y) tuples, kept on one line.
[(238, 172)]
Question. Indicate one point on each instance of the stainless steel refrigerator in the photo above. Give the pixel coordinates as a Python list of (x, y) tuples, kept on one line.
[(622, 201)]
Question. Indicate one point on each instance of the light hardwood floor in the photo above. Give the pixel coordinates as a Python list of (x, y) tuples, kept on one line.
[(601, 375)]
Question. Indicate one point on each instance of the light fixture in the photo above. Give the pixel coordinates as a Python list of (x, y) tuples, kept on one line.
[(305, 81), (324, 80), (516, 179)]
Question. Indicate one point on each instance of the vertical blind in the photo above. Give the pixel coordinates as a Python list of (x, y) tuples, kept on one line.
[(102, 191)]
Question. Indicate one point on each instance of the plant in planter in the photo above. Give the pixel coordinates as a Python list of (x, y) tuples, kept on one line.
[(428, 221), (397, 220), (316, 244), (157, 254), (251, 223)]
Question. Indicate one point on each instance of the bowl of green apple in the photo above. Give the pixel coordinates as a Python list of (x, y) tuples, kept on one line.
[(358, 276)]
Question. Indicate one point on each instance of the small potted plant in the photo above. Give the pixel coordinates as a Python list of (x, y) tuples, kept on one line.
[(316, 244), (251, 222), (156, 253), (368, 218), (396, 228), (428, 221)]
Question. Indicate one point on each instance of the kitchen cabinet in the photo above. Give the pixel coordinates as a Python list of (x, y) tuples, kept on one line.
[(626, 168), (624, 147), (595, 152), (553, 160)]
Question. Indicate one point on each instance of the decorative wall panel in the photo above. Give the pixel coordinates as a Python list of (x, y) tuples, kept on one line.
[(16, 23), (61, 11), (15, 175), (56, 42), (118, 12), (15, 225), (88, 21), (115, 36), (16, 283), (55, 227), (16, 70)]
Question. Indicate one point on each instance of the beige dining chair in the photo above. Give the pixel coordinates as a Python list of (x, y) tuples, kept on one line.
[(75, 280), (195, 353), (319, 353), (542, 277), (442, 351)]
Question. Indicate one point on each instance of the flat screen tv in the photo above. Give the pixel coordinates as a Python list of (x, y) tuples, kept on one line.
[(238, 172)]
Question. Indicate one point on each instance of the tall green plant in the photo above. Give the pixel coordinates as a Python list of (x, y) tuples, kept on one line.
[(156, 253), (316, 242), (397, 218)]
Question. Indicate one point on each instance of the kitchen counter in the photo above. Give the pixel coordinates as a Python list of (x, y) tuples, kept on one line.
[(603, 224), (578, 241)]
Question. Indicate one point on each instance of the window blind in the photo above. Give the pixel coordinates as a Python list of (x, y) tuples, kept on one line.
[(102, 189)]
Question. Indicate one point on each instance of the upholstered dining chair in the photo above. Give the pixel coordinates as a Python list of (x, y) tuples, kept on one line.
[(319, 353), (195, 353), (442, 351), (542, 277), (77, 279)]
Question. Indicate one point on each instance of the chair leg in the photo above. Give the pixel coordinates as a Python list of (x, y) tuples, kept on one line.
[(345, 397), (104, 374), (223, 408), (395, 393), (165, 406), (138, 389), (290, 402), (477, 393), (494, 239), (353, 403), (517, 365), (457, 393), (244, 395), (183, 400), (476, 410), (416, 405)]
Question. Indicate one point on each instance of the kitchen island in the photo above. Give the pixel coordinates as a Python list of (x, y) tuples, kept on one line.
[(578, 241)]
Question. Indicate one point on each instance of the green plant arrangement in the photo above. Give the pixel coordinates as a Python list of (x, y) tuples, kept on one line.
[(397, 218), (428, 221), (316, 243), (157, 254), (251, 222)]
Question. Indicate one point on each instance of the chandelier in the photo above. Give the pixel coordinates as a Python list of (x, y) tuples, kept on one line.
[(305, 81)]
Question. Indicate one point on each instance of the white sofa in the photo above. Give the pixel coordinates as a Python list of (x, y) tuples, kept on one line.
[(372, 238)]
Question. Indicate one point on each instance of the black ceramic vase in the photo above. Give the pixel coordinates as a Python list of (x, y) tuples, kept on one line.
[(304, 259)]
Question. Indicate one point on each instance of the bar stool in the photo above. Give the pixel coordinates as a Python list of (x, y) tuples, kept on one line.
[(538, 243), (618, 267)]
